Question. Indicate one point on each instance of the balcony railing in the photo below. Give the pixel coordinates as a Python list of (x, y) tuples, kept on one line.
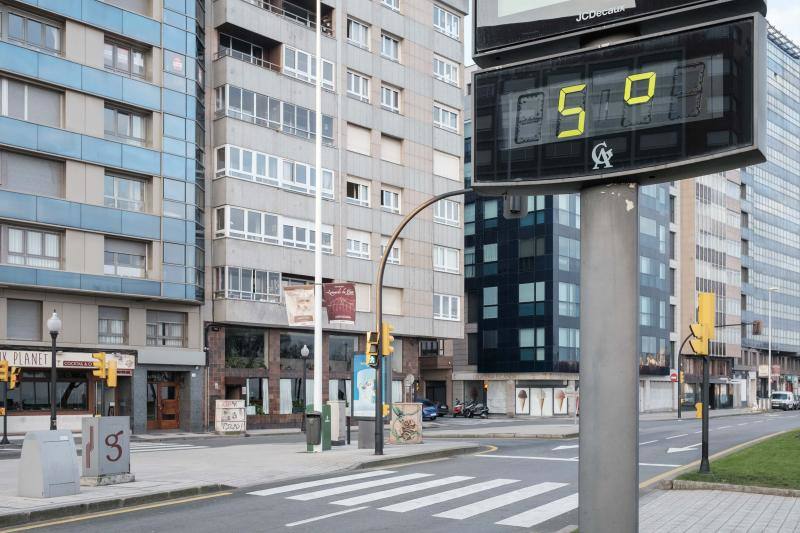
[(294, 13), (229, 52)]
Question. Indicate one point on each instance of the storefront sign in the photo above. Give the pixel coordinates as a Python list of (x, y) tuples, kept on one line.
[(229, 416), (339, 300), (299, 304), (72, 360)]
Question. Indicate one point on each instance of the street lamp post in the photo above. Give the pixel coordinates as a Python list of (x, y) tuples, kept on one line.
[(54, 326), (769, 345), (304, 352)]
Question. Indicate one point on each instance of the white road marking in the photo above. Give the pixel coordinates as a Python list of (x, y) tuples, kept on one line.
[(743, 424), (677, 436), (543, 513), (648, 442), (724, 427), (319, 483), (358, 486), (570, 447), (473, 509), (323, 517), (697, 432), (398, 491), (684, 449), (567, 459), (161, 447), (426, 501), (659, 465)]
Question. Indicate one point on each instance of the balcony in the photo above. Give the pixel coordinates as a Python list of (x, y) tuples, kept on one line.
[(435, 363), (298, 14)]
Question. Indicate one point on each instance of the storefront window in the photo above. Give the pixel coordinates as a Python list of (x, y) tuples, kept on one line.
[(291, 401), (33, 391), (257, 396), (244, 348), (340, 352), (291, 344)]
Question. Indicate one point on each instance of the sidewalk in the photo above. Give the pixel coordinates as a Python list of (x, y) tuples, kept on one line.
[(161, 475)]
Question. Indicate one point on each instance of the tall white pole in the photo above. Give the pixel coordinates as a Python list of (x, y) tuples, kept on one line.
[(318, 226), (769, 350)]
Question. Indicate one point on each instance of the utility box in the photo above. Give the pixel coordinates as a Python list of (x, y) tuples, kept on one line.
[(106, 450), (313, 428), (366, 434), (338, 422), (49, 465), (326, 427)]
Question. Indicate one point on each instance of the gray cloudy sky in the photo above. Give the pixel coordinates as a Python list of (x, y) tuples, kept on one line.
[(783, 14)]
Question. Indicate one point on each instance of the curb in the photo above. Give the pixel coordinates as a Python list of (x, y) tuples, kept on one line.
[(26, 517), (425, 456), (681, 484), (722, 414), (288, 431), (556, 436)]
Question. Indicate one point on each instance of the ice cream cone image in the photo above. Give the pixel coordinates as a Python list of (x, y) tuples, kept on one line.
[(561, 396), (540, 393), (522, 398)]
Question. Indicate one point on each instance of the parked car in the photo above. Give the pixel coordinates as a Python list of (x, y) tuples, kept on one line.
[(442, 409), (783, 400), (429, 410)]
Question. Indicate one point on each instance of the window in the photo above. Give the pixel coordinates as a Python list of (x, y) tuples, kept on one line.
[(24, 320), (490, 208), (240, 223), (358, 86), (357, 192), (300, 234), (358, 33), (31, 175), (531, 247), (445, 70), (112, 325), (122, 192), (303, 66), (166, 328), (359, 139), (34, 103), (445, 117), (124, 59), (531, 298), (531, 344), (125, 125), (446, 22), (235, 283), (392, 301), (391, 149), (569, 338), (33, 391), (242, 50), (36, 33), (645, 311), (392, 4), (358, 244), (137, 6), (489, 302), (33, 248), (446, 259), (569, 253), (394, 254), (125, 258), (469, 262), (390, 98), (447, 212), (446, 307), (469, 219), (568, 299), (390, 47), (490, 253), (390, 200), (447, 165)]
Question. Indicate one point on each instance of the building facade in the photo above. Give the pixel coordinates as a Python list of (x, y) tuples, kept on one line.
[(393, 137), (102, 165)]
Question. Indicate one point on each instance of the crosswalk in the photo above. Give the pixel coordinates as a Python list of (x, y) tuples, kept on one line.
[(145, 447), (465, 497)]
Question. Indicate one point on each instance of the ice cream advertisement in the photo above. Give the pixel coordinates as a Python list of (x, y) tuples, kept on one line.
[(364, 385)]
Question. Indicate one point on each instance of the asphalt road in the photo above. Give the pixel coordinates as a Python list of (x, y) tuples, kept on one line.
[(516, 485)]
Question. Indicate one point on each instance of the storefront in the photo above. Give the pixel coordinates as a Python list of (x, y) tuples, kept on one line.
[(78, 392)]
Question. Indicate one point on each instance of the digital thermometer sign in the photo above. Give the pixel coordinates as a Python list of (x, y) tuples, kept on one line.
[(648, 110)]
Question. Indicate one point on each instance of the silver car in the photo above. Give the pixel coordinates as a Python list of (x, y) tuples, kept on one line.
[(783, 400)]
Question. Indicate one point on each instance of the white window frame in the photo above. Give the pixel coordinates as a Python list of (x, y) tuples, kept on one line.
[(132, 50), (309, 75), (298, 228), (395, 256), (224, 289), (25, 257), (390, 47), (358, 86), (358, 244), (105, 333), (391, 199), (446, 22), (129, 139), (447, 212), (362, 39), (446, 70), (394, 5), (453, 307), (114, 269), (445, 117), (362, 189), (116, 202), (390, 98), (446, 259), (4, 104)]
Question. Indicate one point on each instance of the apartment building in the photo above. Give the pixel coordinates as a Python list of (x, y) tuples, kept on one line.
[(393, 137), (102, 164)]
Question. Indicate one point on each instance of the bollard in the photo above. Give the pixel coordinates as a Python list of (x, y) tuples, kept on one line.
[(699, 410)]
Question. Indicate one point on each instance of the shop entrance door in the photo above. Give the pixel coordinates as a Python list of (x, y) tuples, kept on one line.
[(163, 404)]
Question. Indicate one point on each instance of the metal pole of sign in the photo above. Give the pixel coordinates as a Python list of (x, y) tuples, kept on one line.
[(704, 466), (5, 414), (352, 411), (608, 477)]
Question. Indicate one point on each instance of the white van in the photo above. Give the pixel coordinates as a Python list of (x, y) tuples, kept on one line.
[(783, 400)]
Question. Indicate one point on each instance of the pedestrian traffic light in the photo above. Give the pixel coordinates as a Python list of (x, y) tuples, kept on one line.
[(372, 348), (111, 377), (681, 379), (3, 370), (757, 325), (99, 365), (703, 329), (387, 339), (14, 378)]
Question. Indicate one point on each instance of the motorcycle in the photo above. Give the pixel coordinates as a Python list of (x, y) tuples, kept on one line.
[(478, 410), (458, 407), (467, 409)]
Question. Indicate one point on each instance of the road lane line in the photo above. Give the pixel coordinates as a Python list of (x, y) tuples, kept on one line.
[(473, 509), (724, 427), (398, 491), (358, 486), (698, 432), (648, 442), (743, 424), (677, 436), (543, 513), (659, 465), (323, 517), (567, 459), (319, 483), (426, 501)]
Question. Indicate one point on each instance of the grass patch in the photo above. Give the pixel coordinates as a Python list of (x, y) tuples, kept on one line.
[(770, 463)]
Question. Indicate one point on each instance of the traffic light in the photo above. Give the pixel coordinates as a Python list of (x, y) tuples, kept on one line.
[(372, 348), (99, 365), (757, 326), (3, 370), (680, 378), (387, 339), (14, 378), (703, 329), (111, 377)]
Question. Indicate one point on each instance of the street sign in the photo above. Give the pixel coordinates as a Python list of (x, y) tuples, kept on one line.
[(648, 110), (673, 376)]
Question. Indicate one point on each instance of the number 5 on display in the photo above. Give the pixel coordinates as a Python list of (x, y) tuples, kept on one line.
[(571, 111)]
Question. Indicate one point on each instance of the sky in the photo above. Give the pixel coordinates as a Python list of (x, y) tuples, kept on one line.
[(783, 14)]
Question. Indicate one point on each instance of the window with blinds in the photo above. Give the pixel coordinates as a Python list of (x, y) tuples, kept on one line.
[(34, 103), (112, 325), (166, 328), (31, 247), (24, 320), (125, 258), (31, 175)]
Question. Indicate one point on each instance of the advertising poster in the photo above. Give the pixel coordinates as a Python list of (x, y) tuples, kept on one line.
[(299, 304), (364, 385), (339, 300)]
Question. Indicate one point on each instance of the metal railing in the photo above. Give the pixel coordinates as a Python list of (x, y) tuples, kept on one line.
[(294, 13), (247, 58)]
